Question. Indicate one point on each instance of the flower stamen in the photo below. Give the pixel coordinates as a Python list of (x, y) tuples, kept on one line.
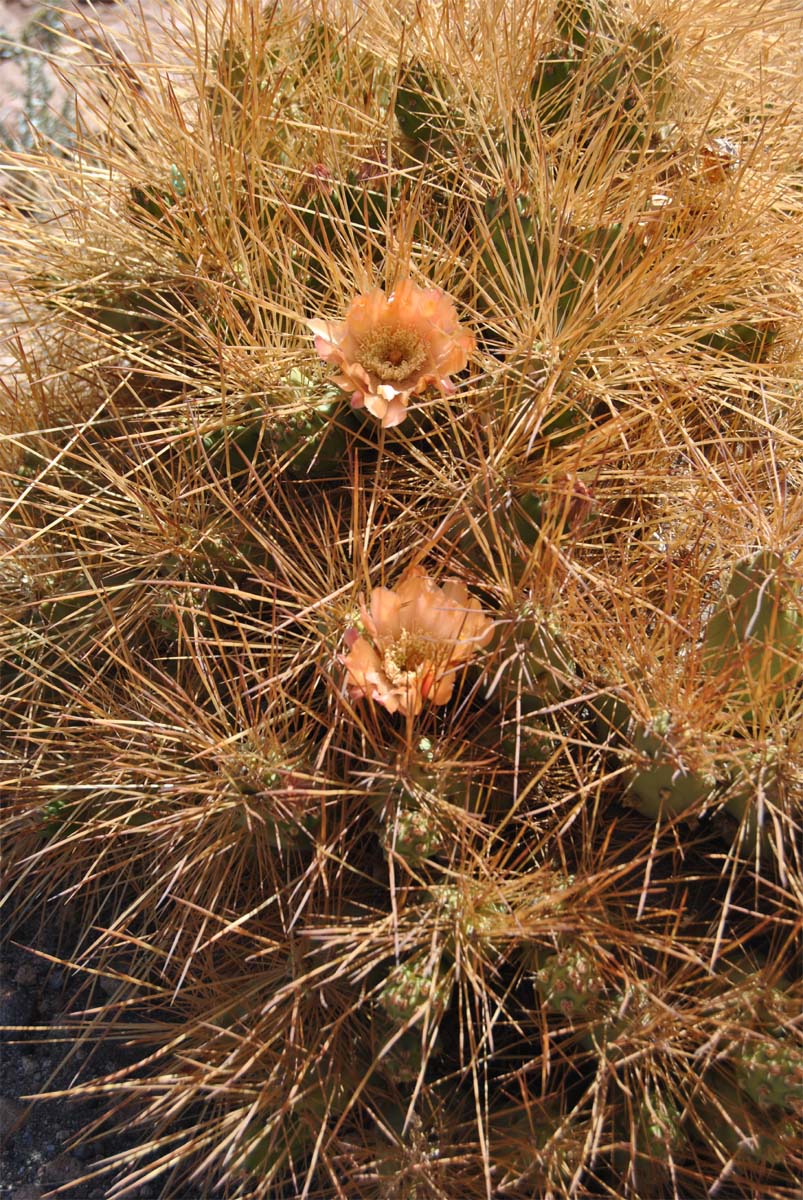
[(392, 353)]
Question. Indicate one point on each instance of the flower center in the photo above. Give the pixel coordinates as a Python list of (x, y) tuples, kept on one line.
[(407, 655), (392, 352)]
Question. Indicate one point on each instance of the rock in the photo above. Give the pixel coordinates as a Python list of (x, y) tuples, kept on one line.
[(11, 1112), (16, 1004), (26, 975), (59, 1170), (28, 1191)]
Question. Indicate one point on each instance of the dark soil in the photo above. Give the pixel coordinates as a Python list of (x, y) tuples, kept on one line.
[(41, 1147)]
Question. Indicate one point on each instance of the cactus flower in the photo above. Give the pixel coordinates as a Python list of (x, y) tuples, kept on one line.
[(389, 348), (418, 635)]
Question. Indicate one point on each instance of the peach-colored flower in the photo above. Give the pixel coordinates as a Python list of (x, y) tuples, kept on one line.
[(389, 348), (419, 634)]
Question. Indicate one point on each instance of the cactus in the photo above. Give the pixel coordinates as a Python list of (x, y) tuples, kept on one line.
[(659, 1129), (581, 23), (549, 263), (569, 983), (771, 1074), (745, 1133), (414, 836), (585, 70), (541, 1148), (339, 636), (425, 109), (751, 342), (654, 1140), (750, 789), (666, 789), (413, 988), (660, 786), (754, 639)]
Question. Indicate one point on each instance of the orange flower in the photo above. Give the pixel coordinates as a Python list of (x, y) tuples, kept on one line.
[(389, 348), (418, 636)]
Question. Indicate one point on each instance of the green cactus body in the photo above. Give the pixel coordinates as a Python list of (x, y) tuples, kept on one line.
[(541, 674), (467, 918), (289, 810), (523, 242), (582, 22), (414, 988), (658, 1126), (656, 1135), (548, 665), (760, 1137), (425, 109), (313, 445), (662, 790), (289, 1141), (539, 1149), (610, 716), (569, 984), (754, 639), (638, 75), (654, 48), (742, 340), (415, 836), (506, 523), (658, 787), (551, 87), (771, 1074), (309, 443), (754, 777), (347, 205), (405, 1057)]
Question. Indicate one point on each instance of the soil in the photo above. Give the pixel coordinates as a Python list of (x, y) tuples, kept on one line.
[(40, 1145)]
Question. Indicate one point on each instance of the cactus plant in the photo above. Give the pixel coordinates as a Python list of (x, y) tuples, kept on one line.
[(400, 594)]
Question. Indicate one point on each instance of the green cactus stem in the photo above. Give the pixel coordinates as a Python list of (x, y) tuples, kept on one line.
[(754, 639), (413, 988), (414, 836), (569, 983), (665, 789), (307, 443), (746, 1133), (771, 1074), (425, 109), (523, 242), (747, 341), (581, 22), (655, 1137)]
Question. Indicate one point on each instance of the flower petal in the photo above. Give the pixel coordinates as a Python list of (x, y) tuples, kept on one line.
[(376, 405), (384, 621), (396, 411), (426, 313), (442, 691), (361, 661)]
